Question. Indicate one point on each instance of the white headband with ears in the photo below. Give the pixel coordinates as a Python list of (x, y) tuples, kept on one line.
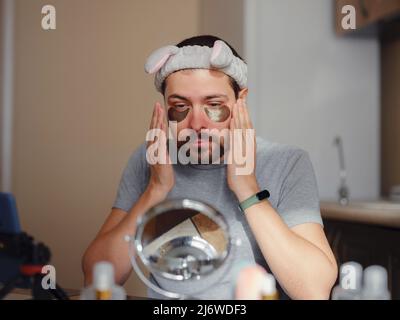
[(169, 59)]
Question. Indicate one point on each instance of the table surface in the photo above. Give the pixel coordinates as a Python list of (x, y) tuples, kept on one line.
[(381, 213), (73, 294)]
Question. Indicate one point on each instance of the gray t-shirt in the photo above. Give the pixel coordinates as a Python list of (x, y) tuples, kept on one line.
[(285, 171)]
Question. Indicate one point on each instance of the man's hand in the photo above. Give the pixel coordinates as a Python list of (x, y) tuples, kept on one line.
[(244, 186), (162, 177)]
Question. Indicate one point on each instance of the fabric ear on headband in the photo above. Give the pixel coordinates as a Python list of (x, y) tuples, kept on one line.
[(157, 58), (221, 55)]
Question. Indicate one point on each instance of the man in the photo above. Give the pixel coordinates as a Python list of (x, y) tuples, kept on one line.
[(204, 84)]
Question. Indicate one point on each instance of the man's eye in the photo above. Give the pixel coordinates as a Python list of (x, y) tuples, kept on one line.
[(214, 104), (181, 106)]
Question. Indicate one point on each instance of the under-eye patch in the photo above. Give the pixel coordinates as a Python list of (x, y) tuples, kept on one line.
[(178, 116), (218, 114)]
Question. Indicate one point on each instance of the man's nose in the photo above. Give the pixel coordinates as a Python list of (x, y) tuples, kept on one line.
[(198, 120)]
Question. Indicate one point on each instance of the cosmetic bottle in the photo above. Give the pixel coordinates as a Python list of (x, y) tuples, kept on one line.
[(103, 287)]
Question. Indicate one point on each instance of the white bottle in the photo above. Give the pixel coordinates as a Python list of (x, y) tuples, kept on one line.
[(268, 288), (103, 287), (375, 284), (350, 282)]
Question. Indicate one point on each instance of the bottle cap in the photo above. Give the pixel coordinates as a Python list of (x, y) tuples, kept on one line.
[(103, 276), (351, 275), (375, 279)]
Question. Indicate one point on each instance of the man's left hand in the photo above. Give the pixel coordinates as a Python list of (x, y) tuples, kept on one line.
[(243, 185)]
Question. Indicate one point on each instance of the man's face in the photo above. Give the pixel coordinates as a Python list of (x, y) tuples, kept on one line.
[(199, 99)]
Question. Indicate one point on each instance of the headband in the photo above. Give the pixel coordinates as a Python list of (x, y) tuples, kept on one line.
[(169, 59)]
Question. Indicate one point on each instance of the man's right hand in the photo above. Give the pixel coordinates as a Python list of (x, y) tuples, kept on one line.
[(162, 177)]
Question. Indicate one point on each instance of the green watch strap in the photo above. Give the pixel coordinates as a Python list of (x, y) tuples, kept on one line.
[(259, 196)]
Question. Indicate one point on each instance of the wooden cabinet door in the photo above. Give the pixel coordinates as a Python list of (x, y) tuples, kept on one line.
[(390, 115), (394, 274), (367, 245)]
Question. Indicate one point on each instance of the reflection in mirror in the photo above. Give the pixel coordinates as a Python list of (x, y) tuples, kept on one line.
[(183, 239)]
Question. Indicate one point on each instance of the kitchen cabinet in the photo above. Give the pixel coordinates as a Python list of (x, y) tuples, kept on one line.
[(369, 14), (390, 113), (367, 242), (367, 245)]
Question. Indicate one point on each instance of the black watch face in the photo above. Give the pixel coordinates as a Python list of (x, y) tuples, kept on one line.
[(263, 195)]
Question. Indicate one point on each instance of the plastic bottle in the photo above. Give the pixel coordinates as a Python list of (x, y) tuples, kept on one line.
[(350, 282), (103, 287), (253, 282), (268, 288), (375, 284)]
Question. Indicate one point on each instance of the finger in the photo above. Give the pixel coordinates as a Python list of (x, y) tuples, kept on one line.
[(247, 115), (164, 127), (232, 124), (236, 116), (154, 123), (242, 117), (153, 117), (241, 114), (163, 115), (159, 117), (231, 137), (249, 125)]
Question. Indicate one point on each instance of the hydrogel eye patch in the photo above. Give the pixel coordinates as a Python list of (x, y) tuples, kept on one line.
[(178, 116), (215, 114), (218, 114)]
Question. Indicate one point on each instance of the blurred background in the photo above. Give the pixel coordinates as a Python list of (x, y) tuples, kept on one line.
[(75, 103)]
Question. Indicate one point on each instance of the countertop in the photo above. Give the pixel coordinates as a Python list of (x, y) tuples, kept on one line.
[(374, 212), (73, 294)]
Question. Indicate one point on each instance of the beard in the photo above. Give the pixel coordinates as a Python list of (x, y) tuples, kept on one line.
[(206, 149)]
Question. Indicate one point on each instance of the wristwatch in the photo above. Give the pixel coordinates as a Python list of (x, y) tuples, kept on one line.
[(259, 196)]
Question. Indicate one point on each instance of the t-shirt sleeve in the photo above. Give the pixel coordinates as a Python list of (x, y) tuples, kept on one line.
[(133, 180), (299, 197)]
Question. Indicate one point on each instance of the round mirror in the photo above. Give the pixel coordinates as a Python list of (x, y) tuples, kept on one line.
[(180, 241)]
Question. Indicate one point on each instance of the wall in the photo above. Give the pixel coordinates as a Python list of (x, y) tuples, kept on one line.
[(308, 85), (82, 104), (224, 19)]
